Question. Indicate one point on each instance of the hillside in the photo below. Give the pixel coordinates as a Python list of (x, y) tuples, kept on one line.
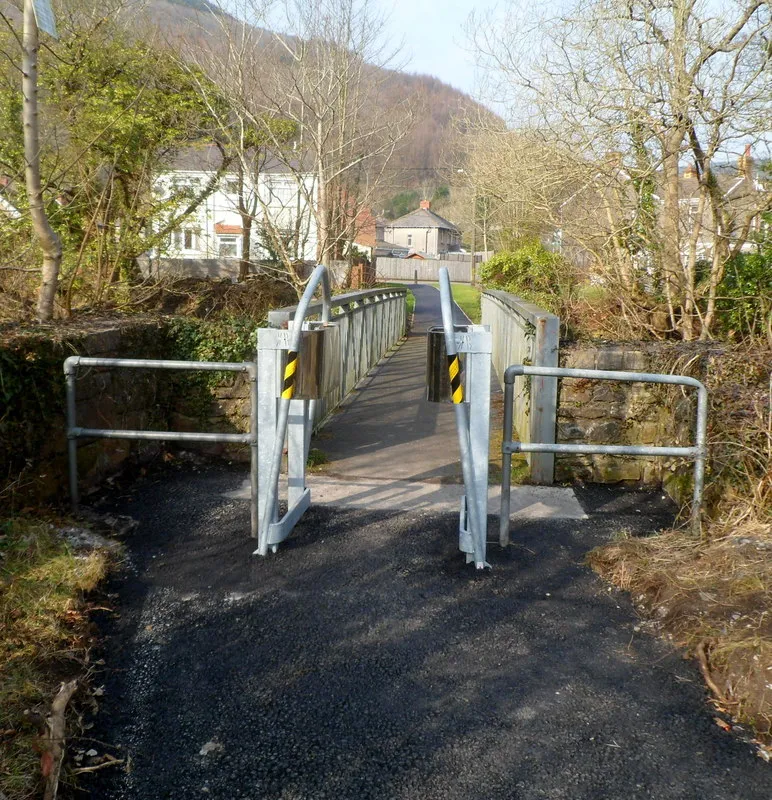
[(425, 152)]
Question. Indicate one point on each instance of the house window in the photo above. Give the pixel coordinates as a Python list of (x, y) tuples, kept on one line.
[(228, 246), (185, 239), (231, 187), (409, 239), (283, 192)]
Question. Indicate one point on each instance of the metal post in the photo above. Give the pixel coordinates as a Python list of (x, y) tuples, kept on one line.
[(318, 276), (699, 461), (72, 442), (478, 367), (253, 451), (506, 459), (462, 424)]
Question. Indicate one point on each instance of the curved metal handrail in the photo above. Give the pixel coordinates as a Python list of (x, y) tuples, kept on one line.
[(319, 275)]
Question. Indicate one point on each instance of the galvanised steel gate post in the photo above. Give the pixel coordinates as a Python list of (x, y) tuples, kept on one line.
[(472, 408)]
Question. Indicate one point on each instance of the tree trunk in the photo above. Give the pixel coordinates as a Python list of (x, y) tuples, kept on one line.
[(671, 238), (322, 217), (246, 244), (49, 241)]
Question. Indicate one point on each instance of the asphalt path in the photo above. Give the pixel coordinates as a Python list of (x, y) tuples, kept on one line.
[(386, 429), (366, 660)]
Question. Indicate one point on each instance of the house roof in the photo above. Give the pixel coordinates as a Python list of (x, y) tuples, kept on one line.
[(384, 248), (422, 218), (208, 158), (734, 186)]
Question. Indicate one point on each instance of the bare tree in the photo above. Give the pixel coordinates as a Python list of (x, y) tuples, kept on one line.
[(637, 90), (317, 70)]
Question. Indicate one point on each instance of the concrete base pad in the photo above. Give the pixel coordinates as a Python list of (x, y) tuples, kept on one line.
[(527, 502)]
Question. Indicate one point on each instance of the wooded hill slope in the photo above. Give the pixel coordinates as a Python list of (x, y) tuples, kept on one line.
[(426, 152)]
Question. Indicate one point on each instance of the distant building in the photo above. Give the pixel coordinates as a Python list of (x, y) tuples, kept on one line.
[(611, 197), (423, 232), (215, 230), (741, 190), (370, 238)]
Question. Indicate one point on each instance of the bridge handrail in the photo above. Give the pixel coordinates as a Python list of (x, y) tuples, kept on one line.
[(522, 308), (280, 317)]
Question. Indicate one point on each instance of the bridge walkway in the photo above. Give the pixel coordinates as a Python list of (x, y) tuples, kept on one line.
[(387, 429), (389, 448)]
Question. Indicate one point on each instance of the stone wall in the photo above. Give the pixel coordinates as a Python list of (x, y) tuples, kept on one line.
[(33, 445), (605, 412), (227, 410)]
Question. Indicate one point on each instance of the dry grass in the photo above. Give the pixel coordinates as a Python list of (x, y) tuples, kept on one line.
[(43, 639), (715, 599), (713, 595)]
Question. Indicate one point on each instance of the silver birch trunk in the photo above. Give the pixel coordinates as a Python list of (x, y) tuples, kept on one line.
[(50, 243)]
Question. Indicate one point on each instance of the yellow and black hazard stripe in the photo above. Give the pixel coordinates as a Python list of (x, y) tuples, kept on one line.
[(288, 387), (456, 389)]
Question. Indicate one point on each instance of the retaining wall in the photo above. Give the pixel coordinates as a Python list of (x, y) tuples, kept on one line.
[(604, 412), (33, 446)]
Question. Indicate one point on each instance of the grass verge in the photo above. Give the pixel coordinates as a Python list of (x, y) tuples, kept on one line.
[(714, 598), (713, 594), (467, 298), (43, 639)]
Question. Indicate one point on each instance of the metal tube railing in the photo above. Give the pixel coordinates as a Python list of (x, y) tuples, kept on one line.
[(74, 432), (462, 424), (698, 451), (319, 275)]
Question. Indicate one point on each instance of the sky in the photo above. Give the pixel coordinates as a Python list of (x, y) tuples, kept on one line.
[(434, 35)]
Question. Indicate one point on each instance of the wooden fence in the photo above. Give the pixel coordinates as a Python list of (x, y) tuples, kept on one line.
[(410, 269)]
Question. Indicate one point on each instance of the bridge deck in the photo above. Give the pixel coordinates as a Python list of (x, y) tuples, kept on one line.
[(387, 429)]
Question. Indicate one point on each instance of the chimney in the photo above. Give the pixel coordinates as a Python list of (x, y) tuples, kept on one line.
[(425, 204), (745, 164)]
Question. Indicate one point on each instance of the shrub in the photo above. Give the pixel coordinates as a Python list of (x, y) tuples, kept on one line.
[(533, 273)]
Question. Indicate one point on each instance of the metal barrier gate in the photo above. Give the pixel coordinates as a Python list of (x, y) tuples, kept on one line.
[(289, 365), (284, 375), (468, 387), (698, 451)]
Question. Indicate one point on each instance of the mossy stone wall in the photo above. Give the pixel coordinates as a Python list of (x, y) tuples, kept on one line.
[(33, 445), (604, 412)]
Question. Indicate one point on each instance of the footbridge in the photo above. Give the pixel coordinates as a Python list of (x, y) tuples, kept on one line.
[(365, 659), (403, 420)]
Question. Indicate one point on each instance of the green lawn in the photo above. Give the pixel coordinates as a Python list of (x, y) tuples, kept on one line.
[(467, 298)]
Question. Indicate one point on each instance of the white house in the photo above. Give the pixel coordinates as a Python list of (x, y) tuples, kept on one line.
[(277, 201)]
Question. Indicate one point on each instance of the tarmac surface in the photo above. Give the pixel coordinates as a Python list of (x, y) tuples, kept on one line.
[(366, 660), (386, 429)]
